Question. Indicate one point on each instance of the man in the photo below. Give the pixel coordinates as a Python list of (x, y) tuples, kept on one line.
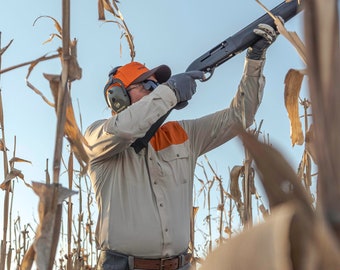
[(144, 194)]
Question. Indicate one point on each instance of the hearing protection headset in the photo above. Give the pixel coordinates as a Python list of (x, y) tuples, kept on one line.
[(116, 96)]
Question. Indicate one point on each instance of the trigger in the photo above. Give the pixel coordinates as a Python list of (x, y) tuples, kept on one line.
[(208, 75)]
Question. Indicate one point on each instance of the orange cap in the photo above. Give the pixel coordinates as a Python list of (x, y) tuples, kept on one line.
[(136, 72)]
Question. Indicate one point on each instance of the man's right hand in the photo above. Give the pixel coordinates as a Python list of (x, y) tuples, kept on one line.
[(184, 86)]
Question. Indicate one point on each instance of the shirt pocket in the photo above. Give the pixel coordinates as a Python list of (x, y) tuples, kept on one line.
[(175, 164)]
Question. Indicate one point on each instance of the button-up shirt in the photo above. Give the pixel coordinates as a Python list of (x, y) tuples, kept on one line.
[(145, 199)]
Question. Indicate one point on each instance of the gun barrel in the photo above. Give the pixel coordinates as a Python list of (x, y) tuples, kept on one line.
[(242, 39)]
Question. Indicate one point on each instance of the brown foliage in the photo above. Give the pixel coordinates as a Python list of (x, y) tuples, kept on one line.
[(295, 235)]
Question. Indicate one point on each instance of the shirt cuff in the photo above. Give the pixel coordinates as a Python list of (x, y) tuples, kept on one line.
[(167, 94), (253, 68)]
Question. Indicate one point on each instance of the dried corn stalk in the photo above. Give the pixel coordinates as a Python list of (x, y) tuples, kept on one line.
[(44, 244), (323, 50), (71, 130)]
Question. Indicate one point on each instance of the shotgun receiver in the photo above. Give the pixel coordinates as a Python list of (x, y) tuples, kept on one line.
[(242, 39)]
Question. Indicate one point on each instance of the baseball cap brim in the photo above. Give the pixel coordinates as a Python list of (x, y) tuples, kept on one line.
[(162, 74)]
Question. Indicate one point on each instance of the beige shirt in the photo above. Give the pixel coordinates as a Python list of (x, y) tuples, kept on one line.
[(145, 199)]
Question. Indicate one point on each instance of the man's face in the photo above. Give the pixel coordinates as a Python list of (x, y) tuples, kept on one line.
[(137, 91)]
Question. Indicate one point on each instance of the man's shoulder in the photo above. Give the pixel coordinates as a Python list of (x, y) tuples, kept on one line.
[(95, 125)]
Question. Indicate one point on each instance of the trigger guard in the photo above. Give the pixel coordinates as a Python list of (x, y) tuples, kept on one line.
[(210, 73)]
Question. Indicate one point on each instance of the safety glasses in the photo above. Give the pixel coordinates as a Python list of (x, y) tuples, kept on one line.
[(149, 85)]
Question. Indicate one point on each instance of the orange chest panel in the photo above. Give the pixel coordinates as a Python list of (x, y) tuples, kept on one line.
[(169, 134)]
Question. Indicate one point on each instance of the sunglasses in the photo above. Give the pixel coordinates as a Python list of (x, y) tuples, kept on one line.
[(149, 85)]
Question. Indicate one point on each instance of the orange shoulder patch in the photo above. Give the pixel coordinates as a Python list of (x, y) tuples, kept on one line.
[(168, 134)]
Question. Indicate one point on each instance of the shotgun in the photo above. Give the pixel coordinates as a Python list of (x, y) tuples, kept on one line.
[(223, 52), (242, 39)]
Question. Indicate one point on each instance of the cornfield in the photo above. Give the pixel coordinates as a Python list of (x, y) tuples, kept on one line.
[(298, 230)]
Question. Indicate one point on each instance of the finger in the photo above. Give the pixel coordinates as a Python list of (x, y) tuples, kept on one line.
[(267, 28), (264, 35), (196, 74)]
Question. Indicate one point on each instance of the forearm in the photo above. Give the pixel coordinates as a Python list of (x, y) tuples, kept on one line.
[(136, 120), (250, 92), (111, 136), (213, 130)]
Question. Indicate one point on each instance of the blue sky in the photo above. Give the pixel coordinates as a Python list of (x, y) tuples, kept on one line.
[(165, 32)]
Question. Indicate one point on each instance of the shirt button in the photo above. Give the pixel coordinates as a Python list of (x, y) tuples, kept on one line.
[(161, 205), (166, 230), (150, 158), (155, 183)]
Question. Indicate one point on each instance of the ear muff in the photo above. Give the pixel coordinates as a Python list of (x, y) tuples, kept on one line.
[(116, 96)]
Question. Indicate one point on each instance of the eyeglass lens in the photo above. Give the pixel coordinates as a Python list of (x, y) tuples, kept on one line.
[(150, 85)]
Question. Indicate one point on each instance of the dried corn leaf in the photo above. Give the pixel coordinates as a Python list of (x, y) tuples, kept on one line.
[(35, 62), (195, 210), (74, 70), (14, 173), (251, 177), (279, 179), (293, 82), (37, 91), (71, 130), (292, 37), (234, 183), (287, 241), (107, 5), (11, 175), (6, 185), (2, 145), (28, 259), (48, 215), (227, 230), (220, 207), (17, 159), (101, 13), (2, 50), (56, 25), (263, 210), (30, 69)]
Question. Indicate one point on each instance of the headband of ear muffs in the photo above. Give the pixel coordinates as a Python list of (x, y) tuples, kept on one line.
[(116, 96)]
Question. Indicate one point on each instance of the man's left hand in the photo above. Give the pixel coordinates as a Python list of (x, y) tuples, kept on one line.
[(268, 35)]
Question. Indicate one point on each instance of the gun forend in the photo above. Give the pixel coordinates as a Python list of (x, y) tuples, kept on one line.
[(242, 39)]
